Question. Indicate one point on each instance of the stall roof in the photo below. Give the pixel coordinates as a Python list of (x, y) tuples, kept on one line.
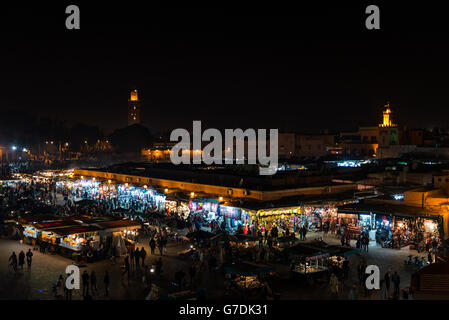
[(387, 209), (224, 236), (56, 224), (89, 219), (73, 230), (200, 234), (294, 201), (37, 219), (304, 250), (118, 224), (434, 268), (246, 269), (287, 238), (333, 249)]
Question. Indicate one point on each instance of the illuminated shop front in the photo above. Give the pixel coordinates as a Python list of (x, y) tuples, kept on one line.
[(292, 218), (139, 199), (232, 216), (395, 231), (208, 206), (349, 223), (119, 196)]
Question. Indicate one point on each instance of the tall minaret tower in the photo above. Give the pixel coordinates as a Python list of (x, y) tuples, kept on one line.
[(133, 108), (387, 117)]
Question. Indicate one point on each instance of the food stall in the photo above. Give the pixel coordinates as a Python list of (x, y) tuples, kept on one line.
[(307, 260), (123, 231), (244, 241), (247, 276), (41, 229), (286, 241), (77, 238)]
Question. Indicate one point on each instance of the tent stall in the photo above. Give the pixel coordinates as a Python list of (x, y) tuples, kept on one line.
[(246, 275), (307, 260)]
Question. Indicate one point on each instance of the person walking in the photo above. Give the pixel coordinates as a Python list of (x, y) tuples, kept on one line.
[(93, 283), (387, 279), (106, 283), (114, 255), (85, 280), (137, 258), (159, 266), (13, 261), (67, 291), (396, 281), (306, 229), (360, 272), (383, 290), (345, 269), (60, 288), (269, 242), (192, 274), (132, 255), (21, 259), (152, 245), (353, 293), (143, 255), (334, 285), (126, 266), (260, 238), (29, 256), (160, 245), (164, 243)]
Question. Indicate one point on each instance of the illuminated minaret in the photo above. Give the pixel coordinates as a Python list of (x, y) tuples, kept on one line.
[(387, 117), (133, 108)]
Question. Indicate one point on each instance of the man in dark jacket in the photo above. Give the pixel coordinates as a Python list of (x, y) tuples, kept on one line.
[(387, 279), (152, 245), (21, 259), (143, 255), (137, 257), (29, 257), (396, 281), (106, 283), (85, 280)]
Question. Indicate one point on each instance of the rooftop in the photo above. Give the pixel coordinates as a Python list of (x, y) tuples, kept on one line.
[(233, 176)]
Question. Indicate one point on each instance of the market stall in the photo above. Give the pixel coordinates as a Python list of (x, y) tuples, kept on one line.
[(244, 241), (349, 223), (307, 260), (247, 276)]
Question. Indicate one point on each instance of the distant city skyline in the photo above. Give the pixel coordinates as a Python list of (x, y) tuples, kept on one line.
[(237, 72)]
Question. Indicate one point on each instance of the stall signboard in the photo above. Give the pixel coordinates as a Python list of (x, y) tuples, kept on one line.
[(321, 256), (30, 231)]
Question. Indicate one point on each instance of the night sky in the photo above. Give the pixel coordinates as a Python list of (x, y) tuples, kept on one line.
[(280, 66)]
